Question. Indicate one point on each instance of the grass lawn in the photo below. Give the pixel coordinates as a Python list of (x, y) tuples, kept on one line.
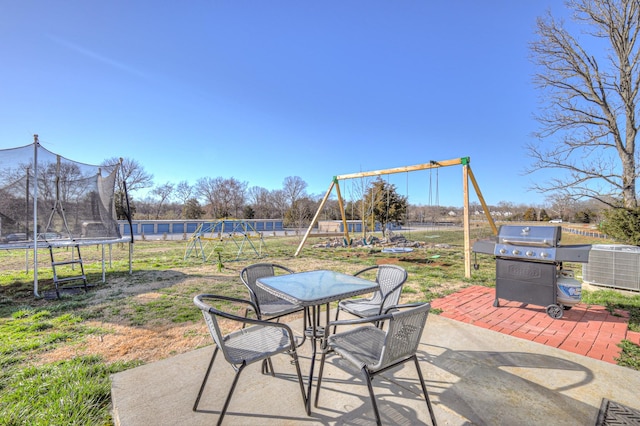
[(57, 354)]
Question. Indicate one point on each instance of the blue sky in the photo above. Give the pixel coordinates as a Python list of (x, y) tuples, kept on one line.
[(262, 90)]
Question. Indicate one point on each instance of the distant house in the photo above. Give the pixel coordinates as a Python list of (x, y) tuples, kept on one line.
[(337, 226)]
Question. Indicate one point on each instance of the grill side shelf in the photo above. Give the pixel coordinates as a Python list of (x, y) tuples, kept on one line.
[(484, 246), (573, 253)]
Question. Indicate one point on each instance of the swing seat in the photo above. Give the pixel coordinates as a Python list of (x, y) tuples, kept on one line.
[(369, 241), (397, 250)]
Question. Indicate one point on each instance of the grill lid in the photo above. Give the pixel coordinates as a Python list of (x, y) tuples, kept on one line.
[(532, 243), (533, 236)]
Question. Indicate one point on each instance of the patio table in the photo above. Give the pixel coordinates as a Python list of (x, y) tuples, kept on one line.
[(312, 290)]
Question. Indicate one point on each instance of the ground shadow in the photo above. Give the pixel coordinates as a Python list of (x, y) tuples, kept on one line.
[(494, 387)]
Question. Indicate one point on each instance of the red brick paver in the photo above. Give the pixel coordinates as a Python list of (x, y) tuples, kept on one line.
[(588, 330)]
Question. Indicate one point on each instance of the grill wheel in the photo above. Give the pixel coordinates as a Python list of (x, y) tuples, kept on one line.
[(555, 311)]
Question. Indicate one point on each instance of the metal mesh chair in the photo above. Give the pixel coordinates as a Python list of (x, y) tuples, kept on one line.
[(390, 278), (268, 305), (240, 348), (373, 350)]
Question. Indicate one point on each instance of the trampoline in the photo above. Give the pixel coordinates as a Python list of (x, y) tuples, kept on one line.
[(48, 201)]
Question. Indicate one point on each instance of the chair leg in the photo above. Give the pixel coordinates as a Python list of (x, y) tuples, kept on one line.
[(319, 384), (367, 377), (306, 319), (267, 367), (246, 315), (204, 381), (294, 355), (233, 387), (424, 390), (337, 313)]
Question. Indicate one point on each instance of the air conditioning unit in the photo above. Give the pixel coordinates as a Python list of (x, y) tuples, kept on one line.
[(613, 265)]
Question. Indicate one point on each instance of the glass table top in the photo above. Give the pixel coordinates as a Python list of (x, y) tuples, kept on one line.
[(316, 287)]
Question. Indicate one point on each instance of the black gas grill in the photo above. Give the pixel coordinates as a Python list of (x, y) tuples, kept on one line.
[(528, 261)]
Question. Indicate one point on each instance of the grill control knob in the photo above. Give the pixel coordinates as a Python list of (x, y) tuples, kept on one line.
[(515, 252), (530, 253), (544, 254), (503, 251)]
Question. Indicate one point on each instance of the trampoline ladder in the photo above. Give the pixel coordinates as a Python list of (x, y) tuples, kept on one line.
[(74, 261)]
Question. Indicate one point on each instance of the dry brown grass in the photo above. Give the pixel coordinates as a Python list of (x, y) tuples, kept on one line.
[(115, 338)]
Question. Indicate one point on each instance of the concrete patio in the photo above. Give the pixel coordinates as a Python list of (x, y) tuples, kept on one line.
[(475, 376)]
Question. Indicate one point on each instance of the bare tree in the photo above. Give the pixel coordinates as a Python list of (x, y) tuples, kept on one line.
[(225, 197), (145, 207), (294, 188), (238, 195), (206, 189), (301, 212), (561, 206), (590, 116), (131, 172), (163, 192), (278, 201), (258, 198), (355, 189), (184, 191)]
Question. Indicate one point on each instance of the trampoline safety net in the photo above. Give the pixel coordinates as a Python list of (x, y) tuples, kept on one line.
[(75, 201)]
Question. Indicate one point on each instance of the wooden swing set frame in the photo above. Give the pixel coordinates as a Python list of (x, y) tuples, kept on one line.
[(467, 175)]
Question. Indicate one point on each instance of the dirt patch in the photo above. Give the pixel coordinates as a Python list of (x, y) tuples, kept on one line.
[(126, 343), (388, 261)]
